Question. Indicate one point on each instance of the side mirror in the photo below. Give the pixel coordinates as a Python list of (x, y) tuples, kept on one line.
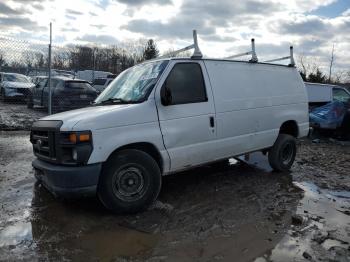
[(166, 97)]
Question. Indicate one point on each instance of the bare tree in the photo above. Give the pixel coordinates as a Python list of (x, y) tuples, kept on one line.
[(331, 65), (2, 60), (182, 54)]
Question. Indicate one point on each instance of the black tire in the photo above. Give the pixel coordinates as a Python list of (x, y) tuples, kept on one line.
[(130, 181), (282, 153), (30, 103), (3, 96)]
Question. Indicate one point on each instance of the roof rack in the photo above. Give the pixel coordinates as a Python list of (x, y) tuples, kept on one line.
[(291, 57), (197, 54), (254, 58)]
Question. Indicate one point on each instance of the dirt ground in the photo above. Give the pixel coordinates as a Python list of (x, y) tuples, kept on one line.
[(228, 211), (16, 116)]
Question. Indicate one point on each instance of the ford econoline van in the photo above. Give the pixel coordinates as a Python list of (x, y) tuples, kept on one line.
[(167, 115)]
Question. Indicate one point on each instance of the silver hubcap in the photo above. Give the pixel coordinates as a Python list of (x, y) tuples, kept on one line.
[(287, 153), (128, 184)]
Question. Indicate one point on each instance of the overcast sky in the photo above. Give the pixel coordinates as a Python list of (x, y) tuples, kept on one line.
[(224, 26)]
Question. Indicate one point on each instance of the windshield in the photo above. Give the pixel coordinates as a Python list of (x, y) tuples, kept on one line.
[(16, 78), (340, 95), (134, 84)]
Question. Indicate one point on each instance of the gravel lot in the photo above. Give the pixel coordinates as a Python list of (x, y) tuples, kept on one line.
[(16, 116), (221, 212)]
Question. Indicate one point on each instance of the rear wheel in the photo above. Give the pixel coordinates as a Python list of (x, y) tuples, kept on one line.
[(30, 103), (282, 154), (130, 181)]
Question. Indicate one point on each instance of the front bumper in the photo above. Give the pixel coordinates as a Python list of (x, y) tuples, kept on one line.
[(16, 94), (68, 181)]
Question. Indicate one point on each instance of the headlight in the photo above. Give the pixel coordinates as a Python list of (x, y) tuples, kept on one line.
[(76, 147), (74, 154)]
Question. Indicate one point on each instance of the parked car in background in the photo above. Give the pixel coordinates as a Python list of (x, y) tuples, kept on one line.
[(321, 94), (91, 75), (100, 84), (66, 93), (14, 86), (54, 72), (37, 79)]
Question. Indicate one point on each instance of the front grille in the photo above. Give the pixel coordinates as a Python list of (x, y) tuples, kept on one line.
[(24, 91), (44, 144), (44, 136)]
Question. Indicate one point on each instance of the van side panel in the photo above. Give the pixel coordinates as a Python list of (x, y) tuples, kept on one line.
[(252, 101)]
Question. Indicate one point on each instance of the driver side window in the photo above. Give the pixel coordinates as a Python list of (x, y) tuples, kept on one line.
[(186, 85)]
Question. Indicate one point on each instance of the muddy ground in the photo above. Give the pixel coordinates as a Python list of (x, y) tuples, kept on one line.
[(16, 116), (222, 212)]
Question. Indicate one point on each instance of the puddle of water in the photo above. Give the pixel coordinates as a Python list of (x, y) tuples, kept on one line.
[(322, 209), (15, 234), (329, 243), (107, 245), (258, 160)]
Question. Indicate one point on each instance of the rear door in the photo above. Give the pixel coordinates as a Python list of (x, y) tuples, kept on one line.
[(45, 93), (78, 93), (188, 122)]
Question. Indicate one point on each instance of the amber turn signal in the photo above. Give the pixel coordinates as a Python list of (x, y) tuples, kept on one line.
[(73, 138), (76, 138), (84, 137)]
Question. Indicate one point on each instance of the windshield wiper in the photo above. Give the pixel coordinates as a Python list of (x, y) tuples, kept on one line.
[(112, 100)]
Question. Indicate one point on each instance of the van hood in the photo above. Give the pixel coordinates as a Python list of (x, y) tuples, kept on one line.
[(105, 116)]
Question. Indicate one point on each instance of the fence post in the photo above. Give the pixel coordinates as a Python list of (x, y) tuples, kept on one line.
[(49, 98)]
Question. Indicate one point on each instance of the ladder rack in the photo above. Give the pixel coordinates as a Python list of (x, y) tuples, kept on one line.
[(291, 57), (197, 54), (254, 58)]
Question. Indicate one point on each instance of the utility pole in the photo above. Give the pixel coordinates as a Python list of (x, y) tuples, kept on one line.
[(331, 65), (49, 100)]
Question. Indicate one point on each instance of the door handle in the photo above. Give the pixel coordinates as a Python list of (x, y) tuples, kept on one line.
[(211, 121)]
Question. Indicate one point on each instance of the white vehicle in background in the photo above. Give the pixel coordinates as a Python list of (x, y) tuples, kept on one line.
[(100, 84), (320, 94), (34, 73), (167, 115), (14, 86), (91, 75)]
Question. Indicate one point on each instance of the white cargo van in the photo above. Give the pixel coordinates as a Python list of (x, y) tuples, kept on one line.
[(320, 94), (167, 115), (100, 84)]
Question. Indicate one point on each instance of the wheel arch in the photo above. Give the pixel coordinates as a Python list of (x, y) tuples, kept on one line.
[(146, 147), (289, 127)]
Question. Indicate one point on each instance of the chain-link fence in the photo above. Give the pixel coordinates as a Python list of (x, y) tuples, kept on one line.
[(78, 74)]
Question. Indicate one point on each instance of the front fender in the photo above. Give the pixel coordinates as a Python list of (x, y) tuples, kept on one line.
[(106, 141)]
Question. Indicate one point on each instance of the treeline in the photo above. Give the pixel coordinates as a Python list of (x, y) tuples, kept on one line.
[(113, 59)]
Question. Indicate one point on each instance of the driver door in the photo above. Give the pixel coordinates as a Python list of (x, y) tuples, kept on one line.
[(187, 122)]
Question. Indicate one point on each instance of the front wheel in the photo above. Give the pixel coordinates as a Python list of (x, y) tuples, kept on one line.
[(30, 103), (3, 95), (130, 181), (282, 154)]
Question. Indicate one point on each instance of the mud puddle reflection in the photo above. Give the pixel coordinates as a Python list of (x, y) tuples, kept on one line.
[(320, 229)]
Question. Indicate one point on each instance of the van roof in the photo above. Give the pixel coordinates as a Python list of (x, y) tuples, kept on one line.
[(212, 59)]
